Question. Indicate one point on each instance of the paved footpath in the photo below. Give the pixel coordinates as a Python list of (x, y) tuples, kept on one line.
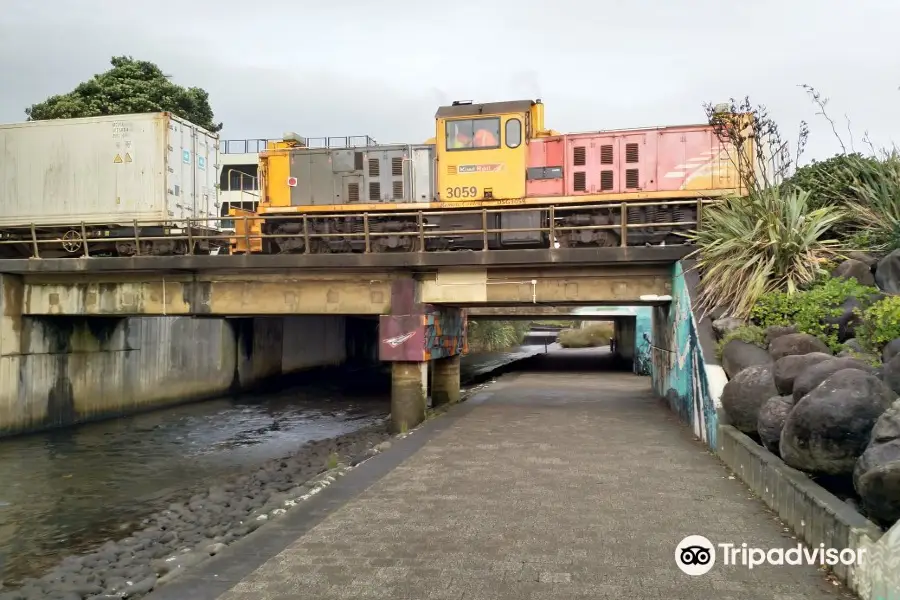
[(550, 485)]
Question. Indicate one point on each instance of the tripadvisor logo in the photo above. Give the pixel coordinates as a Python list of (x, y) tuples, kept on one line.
[(697, 555)]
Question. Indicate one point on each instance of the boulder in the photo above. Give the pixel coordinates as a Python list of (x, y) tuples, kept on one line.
[(737, 355), (829, 428), (877, 473), (891, 350), (848, 317), (853, 345), (796, 343), (745, 393), (776, 331), (815, 374), (788, 368), (726, 325), (855, 269), (891, 374), (772, 415), (887, 273), (867, 259)]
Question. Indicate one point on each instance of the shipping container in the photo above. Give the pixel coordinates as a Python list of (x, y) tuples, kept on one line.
[(110, 170)]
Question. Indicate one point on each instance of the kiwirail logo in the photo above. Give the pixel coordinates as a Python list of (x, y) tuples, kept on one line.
[(696, 555)]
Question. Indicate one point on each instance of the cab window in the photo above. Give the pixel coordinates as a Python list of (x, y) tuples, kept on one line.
[(513, 133), (473, 134)]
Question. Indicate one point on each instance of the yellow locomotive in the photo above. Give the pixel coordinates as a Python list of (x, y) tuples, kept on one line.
[(543, 188)]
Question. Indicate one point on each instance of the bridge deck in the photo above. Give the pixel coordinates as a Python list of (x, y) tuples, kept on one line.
[(547, 485)]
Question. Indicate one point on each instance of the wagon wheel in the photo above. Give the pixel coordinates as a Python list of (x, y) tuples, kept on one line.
[(71, 241)]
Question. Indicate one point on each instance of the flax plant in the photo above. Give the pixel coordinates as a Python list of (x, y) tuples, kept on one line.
[(873, 203), (768, 241)]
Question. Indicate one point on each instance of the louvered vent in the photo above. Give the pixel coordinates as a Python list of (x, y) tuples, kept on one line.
[(398, 190), (631, 178), (606, 154), (374, 190), (631, 153), (579, 156), (606, 181), (580, 181), (451, 169), (374, 167), (397, 166), (357, 161), (352, 192)]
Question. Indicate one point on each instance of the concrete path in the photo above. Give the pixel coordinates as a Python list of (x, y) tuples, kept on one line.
[(550, 484)]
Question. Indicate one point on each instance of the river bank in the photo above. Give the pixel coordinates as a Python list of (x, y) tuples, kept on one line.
[(205, 473)]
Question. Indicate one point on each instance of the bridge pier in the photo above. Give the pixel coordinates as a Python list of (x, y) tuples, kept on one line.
[(410, 337)]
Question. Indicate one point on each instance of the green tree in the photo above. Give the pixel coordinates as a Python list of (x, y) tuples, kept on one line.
[(130, 87)]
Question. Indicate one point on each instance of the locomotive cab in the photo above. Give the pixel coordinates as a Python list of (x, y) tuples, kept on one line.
[(482, 149)]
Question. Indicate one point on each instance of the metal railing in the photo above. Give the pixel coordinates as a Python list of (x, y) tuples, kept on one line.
[(78, 237), (249, 146)]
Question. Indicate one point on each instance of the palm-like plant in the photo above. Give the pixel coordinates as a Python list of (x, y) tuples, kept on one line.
[(769, 241), (873, 203)]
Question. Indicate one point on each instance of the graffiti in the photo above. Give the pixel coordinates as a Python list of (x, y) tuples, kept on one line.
[(643, 341), (399, 339), (445, 332), (679, 368)]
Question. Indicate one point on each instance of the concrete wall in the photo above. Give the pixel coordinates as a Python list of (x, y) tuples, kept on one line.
[(684, 370), (624, 330), (643, 340), (57, 371)]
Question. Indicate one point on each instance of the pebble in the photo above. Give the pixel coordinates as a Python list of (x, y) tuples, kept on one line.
[(186, 534)]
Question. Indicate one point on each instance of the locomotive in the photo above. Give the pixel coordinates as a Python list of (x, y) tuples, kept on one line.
[(493, 177)]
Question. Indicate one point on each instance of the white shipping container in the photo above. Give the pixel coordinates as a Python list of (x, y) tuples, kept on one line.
[(152, 167)]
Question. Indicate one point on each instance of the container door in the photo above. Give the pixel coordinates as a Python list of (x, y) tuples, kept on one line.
[(205, 177)]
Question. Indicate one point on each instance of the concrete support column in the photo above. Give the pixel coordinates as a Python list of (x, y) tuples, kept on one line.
[(409, 383), (12, 296), (445, 382)]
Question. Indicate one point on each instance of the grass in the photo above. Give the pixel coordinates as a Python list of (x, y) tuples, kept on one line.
[(592, 336), (495, 336), (332, 462)]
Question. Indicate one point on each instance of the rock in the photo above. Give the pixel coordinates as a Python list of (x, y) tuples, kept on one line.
[(891, 350), (877, 473), (829, 428), (854, 345), (867, 259), (887, 273), (848, 318), (892, 373), (855, 269), (796, 343), (815, 374), (738, 355), (772, 415), (145, 586), (745, 393), (725, 325), (774, 332), (788, 368)]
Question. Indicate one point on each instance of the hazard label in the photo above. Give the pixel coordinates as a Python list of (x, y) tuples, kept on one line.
[(118, 159), (127, 157)]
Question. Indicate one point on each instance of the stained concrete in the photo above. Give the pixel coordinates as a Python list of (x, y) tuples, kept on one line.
[(546, 485)]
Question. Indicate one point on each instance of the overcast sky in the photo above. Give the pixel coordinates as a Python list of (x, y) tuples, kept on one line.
[(381, 67)]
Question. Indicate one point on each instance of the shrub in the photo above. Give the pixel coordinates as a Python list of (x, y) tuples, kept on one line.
[(808, 309), (874, 198), (831, 181), (880, 324), (495, 336), (752, 334), (592, 336), (747, 247)]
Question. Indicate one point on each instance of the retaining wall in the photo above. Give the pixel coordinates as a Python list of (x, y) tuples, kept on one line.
[(58, 371), (686, 372)]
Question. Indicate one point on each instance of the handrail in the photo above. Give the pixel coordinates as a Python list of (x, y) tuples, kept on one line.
[(196, 229)]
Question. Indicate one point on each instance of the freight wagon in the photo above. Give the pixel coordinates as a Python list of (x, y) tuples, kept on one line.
[(113, 182)]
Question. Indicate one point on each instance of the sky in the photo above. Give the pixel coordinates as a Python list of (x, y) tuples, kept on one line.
[(382, 67)]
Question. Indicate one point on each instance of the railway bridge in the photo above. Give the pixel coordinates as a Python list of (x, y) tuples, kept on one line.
[(417, 298)]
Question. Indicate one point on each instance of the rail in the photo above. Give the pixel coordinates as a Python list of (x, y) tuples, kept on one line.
[(248, 146), (78, 239)]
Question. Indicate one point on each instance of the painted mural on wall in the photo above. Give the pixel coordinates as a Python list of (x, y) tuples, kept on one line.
[(438, 332), (679, 372), (643, 339)]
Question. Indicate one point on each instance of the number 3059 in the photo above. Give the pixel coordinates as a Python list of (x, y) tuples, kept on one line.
[(462, 192)]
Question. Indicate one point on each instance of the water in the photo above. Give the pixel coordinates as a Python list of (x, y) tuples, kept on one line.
[(64, 492)]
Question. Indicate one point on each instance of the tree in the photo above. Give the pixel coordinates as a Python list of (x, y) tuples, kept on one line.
[(131, 86)]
